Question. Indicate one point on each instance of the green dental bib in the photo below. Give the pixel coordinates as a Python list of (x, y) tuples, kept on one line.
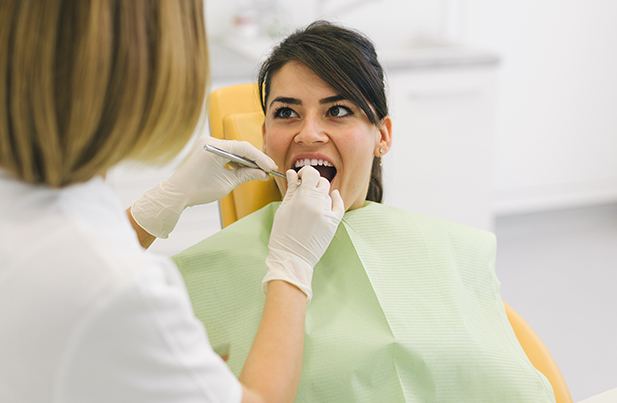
[(405, 309)]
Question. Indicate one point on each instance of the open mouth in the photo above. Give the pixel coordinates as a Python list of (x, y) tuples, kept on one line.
[(325, 168)]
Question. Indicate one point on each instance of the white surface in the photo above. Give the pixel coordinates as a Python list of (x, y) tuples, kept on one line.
[(557, 126), (401, 20), (391, 58), (609, 396), (87, 315), (442, 143)]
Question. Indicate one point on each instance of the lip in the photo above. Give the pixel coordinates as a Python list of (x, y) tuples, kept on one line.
[(310, 156)]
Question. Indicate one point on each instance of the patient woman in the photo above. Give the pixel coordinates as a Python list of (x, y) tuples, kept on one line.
[(408, 308)]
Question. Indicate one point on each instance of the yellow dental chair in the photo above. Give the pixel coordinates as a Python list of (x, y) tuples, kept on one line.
[(235, 114)]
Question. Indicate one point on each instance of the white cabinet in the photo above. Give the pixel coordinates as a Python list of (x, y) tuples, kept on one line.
[(441, 161)]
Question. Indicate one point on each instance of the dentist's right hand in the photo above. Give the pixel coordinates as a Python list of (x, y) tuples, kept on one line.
[(303, 227)]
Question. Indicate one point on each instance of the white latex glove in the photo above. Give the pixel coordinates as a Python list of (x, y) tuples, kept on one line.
[(201, 178), (303, 227)]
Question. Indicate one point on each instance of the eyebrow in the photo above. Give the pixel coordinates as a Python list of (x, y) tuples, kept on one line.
[(296, 101), (331, 99), (286, 100)]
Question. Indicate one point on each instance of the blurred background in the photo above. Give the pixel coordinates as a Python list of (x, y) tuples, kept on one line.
[(504, 118)]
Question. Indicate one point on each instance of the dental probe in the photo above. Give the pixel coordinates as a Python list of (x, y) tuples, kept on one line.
[(239, 160)]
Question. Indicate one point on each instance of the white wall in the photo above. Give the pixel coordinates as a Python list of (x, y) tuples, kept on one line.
[(557, 130), (387, 22), (557, 126), (218, 15)]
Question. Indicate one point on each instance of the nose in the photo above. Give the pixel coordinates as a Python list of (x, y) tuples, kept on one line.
[(311, 132)]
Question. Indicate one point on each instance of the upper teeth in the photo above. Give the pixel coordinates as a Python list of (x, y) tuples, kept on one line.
[(307, 161)]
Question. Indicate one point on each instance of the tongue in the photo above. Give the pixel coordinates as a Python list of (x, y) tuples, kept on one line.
[(326, 172)]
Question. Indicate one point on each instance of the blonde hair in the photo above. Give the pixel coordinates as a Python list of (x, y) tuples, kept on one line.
[(85, 84)]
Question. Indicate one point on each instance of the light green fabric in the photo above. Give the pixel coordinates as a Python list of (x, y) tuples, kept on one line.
[(405, 309)]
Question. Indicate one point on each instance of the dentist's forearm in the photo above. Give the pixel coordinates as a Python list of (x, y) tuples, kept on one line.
[(272, 370), (144, 237)]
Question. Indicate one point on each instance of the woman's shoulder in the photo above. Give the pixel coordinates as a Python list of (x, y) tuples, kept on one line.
[(377, 214), (399, 231)]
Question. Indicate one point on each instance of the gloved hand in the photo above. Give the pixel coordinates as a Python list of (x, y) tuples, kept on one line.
[(303, 227), (201, 178)]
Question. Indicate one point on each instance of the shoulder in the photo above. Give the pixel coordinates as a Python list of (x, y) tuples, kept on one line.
[(375, 212), (422, 238), (102, 304), (438, 231), (143, 333)]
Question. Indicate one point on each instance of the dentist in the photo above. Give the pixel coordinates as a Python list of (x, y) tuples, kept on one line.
[(86, 314)]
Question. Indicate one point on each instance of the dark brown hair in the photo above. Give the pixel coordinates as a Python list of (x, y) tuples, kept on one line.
[(346, 60), (85, 84)]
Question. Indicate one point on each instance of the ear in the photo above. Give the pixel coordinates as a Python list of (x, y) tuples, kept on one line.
[(384, 137)]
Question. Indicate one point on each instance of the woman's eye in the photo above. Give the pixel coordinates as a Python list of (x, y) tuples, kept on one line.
[(338, 111), (285, 113)]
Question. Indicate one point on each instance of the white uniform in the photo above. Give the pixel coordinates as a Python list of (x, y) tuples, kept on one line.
[(86, 315)]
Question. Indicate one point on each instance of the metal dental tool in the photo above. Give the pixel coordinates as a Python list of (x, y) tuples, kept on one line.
[(239, 160)]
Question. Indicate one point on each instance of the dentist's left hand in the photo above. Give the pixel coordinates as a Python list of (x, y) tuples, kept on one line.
[(201, 178)]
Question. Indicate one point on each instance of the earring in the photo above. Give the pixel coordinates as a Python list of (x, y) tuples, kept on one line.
[(381, 152)]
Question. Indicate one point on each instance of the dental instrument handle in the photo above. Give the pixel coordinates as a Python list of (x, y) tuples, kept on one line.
[(239, 160)]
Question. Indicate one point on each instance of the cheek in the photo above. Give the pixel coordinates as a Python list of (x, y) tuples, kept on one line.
[(274, 144), (356, 149), (358, 167), (276, 147)]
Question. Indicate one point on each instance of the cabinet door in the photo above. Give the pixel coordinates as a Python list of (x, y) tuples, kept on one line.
[(441, 157)]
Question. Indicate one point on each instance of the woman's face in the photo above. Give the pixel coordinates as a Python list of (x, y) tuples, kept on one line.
[(307, 122)]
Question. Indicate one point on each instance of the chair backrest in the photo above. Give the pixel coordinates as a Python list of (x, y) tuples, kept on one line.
[(235, 114), (539, 355)]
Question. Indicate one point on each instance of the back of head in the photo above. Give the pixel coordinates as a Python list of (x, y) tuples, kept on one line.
[(347, 61), (85, 84)]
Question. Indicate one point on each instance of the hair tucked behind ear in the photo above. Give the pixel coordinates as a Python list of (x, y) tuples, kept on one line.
[(346, 60), (375, 187)]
